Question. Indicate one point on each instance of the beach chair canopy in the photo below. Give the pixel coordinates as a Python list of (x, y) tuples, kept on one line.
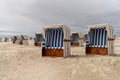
[(99, 34), (54, 37), (75, 37), (39, 38)]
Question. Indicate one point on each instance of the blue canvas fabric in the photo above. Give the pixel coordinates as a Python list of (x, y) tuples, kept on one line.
[(53, 35), (59, 38), (102, 37), (39, 38), (96, 31), (92, 31), (62, 39), (54, 38), (105, 42), (75, 37), (47, 38), (98, 37)]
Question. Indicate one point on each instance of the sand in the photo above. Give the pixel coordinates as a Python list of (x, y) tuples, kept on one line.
[(22, 62)]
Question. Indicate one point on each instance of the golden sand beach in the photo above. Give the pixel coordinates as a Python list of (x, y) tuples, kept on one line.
[(23, 62)]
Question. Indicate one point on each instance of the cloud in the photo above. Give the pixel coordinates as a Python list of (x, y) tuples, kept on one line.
[(28, 16)]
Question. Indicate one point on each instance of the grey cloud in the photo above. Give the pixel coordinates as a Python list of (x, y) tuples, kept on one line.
[(28, 16)]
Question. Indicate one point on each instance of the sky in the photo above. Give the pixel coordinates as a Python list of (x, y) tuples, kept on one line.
[(28, 16)]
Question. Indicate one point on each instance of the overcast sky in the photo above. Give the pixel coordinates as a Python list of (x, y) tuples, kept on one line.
[(28, 16)]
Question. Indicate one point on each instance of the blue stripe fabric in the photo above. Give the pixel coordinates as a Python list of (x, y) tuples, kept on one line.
[(51, 38), (54, 37), (62, 39), (59, 38), (46, 37), (92, 37), (105, 38), (90, 33), (98, 37), (102, 37)]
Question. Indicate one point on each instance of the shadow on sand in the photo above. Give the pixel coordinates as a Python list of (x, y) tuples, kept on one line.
[(91, 56)]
